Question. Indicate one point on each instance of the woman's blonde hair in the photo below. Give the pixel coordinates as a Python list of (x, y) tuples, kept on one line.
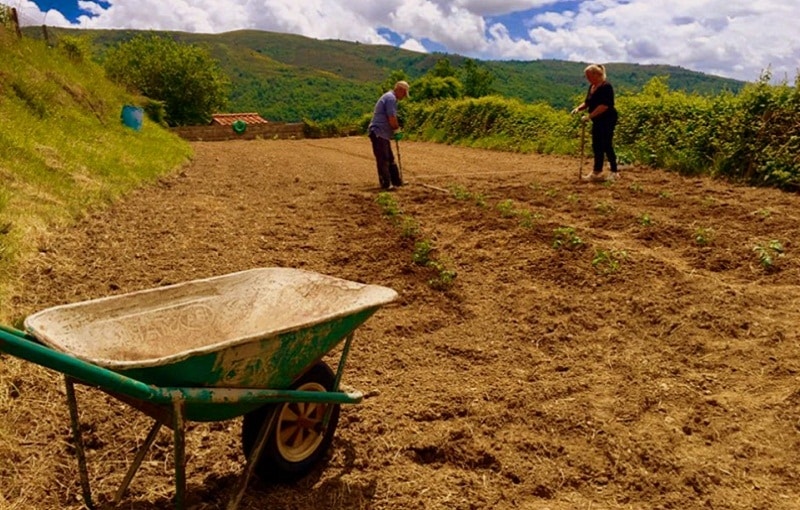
[(596, 69)]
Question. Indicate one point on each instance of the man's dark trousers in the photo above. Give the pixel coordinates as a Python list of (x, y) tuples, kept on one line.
[(388, 173)]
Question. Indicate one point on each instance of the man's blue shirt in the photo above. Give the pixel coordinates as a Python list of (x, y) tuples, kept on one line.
[(385, 107)]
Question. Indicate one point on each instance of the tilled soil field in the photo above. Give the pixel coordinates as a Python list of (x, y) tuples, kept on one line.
[(626, 345)]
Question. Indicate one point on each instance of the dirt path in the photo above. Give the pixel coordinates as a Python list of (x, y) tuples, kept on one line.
[(649, 362)]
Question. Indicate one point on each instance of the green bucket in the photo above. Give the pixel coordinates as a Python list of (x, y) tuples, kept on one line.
[(239, 126)]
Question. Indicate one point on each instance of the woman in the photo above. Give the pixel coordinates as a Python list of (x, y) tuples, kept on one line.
[(599, 103)]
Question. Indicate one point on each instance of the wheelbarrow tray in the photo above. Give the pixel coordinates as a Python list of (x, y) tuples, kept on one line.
[(260, 328)]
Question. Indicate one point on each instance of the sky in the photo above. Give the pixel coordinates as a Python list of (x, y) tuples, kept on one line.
[(739, 39)]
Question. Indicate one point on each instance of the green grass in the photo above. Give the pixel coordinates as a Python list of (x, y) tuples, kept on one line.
[(63, 148)]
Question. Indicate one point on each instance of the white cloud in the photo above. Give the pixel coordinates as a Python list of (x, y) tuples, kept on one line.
[(456, 28), (735, 38), (413, 45), (93, 8), (499, 7), (511, 48)]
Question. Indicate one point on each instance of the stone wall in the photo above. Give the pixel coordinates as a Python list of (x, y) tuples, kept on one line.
[(215, 133)]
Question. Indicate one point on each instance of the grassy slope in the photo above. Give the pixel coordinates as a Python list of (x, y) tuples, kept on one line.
[(63, 148), (290, 77)]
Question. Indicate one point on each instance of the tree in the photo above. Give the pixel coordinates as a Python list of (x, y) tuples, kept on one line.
[(477, 80), (442, 69), (185, 77), (394, 77), (433, 87)]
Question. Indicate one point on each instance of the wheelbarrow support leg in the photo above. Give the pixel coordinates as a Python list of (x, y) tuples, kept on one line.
[(151, 437), (72, 403), (244, 478), (338, 378), (178, 427)]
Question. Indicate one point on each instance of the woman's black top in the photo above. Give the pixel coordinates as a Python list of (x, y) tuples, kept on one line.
[(604, 94)]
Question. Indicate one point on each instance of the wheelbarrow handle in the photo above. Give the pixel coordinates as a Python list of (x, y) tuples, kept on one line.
[(20, 344)]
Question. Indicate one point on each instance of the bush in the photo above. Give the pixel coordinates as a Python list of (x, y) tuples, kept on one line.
[(77, 49), (505, 124), (752, 137), (190, 83), (156, 111), (764, 140)]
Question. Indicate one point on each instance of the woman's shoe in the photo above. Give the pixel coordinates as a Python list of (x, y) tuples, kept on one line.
[(594, 176)]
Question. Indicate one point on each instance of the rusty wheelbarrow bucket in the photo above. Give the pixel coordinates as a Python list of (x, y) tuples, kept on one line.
[(244, 344)]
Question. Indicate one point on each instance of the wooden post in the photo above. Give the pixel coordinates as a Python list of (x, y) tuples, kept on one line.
[(44, 33), (15, 22)]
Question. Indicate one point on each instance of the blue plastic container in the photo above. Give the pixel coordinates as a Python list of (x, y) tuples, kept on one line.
[(132, 116)]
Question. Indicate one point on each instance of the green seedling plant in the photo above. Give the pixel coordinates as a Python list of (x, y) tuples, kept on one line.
[(565, 237), (767, 254), (461, 193), (573, 198), (608, 261), (703, 236), (527, 219), (664, 195), (445, 277), (422, 252), (604, 207), (388, 204), (506, 208), (409, 228), (645, 220), (636, 187)]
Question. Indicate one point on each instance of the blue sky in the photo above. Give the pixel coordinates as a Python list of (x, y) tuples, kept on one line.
[(734, 38)]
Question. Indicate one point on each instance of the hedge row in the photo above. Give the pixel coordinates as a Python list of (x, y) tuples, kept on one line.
[(751, 137)]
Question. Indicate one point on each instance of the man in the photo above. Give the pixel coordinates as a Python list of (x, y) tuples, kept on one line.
[(382, 129)]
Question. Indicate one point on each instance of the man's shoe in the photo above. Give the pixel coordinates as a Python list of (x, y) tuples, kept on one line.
[(613, 176)]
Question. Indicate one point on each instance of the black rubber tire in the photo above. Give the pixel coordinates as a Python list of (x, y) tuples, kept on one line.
[(294, 446)]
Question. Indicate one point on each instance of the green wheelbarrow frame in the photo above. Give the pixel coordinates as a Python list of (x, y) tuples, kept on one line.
[(275, 324), (167, 406)]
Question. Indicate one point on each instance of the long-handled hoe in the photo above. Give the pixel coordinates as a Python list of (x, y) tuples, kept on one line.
[(399, 164), (583, 150)]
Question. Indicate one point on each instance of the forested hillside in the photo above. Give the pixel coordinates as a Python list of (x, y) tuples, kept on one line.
[(290, 77)]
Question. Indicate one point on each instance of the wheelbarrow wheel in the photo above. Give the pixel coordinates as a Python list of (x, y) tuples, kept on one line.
[(298, 441)]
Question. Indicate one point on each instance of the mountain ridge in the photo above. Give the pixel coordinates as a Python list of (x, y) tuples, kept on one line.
[(290, 77)]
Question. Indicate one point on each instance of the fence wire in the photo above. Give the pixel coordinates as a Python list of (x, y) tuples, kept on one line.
[(31, 22)]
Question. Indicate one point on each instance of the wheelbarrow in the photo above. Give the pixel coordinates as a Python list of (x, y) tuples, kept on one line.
[(245, 344)]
